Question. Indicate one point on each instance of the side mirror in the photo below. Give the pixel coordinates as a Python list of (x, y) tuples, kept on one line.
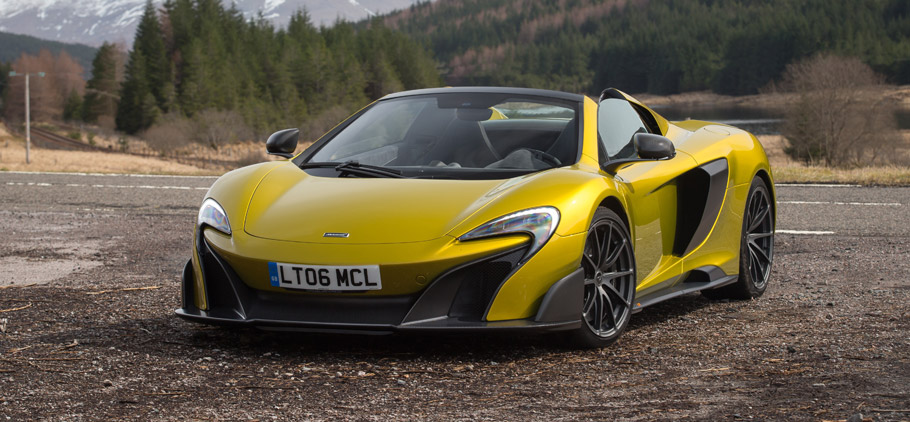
[(648, 147), (653, 147), (283, 143)]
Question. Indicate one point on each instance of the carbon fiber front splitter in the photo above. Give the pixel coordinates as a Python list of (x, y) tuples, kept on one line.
[(437, 325)]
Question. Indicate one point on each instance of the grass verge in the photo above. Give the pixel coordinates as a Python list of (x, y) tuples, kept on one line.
[(788, 171), (872, 176), (12, 158)]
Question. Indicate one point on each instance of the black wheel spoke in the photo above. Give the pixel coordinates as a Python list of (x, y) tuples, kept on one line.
[(609, 309), (590, 262), (598, 310), (589, 304), (612, 289), (759, 253), (599, 247), (756, 269), (615, 255), (756, 236), (758, 219), (617, 274), (605, 249)]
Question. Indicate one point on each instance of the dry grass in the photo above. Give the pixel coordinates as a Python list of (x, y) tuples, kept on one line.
[(878, 176), (898, 95), (12, 158), (788, 171), (195, 159)]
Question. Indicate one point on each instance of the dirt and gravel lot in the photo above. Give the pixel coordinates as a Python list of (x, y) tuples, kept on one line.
[(89, 271)]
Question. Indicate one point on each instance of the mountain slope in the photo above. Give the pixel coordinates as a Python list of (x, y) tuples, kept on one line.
[(13, 45), (95, 21), (667, 46)]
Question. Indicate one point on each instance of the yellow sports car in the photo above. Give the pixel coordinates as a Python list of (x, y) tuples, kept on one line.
[(463, 209)]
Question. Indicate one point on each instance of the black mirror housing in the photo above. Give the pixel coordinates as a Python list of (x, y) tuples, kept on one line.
[(649, 147), (653, 147), (283, 143)]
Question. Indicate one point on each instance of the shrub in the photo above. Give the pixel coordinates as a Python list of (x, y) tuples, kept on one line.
[(169, 133), (313, 128), (250, 157), (840, 117), (217, 128), (123, 144)]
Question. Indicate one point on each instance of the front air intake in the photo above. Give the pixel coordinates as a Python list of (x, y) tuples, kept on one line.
[(479, 282)]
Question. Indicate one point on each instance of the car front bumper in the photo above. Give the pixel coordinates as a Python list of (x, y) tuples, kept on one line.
[(455, 301)]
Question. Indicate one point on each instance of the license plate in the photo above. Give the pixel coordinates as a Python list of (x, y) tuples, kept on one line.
[(325, 277)]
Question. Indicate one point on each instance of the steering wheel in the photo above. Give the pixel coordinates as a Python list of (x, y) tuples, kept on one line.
[(545, 156)]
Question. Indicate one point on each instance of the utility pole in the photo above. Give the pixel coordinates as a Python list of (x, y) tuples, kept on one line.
[(28, 122)]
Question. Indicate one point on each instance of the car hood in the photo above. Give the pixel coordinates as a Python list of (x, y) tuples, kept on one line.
[(291, 205)]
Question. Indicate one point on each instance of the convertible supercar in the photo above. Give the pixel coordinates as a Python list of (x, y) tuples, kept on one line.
[(461, 209)]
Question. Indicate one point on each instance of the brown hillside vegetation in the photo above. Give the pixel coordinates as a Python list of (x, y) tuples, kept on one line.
[(485, 58), (578, 13), (62, 75)]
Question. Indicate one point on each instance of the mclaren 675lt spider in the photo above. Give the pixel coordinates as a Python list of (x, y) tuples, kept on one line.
[(485, 209)]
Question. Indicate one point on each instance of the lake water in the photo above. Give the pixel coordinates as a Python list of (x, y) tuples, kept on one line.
[(759, 121)]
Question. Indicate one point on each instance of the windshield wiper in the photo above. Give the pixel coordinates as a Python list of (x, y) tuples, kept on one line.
[(354, 167)]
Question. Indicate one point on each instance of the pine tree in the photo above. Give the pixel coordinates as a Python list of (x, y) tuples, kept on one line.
[(101, 90), (72, 106), (149, 43), (135, 112), (4, 84)]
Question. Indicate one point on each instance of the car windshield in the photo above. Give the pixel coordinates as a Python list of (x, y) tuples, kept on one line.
[(459, 135)]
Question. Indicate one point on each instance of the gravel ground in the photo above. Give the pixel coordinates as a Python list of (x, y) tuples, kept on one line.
[(87, 332)]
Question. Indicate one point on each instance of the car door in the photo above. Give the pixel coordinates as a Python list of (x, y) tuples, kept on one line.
[(650, 191)]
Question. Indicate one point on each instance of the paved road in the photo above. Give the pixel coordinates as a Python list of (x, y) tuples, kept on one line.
[(803, 209), (95, 338)]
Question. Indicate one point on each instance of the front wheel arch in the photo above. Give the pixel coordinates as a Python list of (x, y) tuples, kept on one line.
[(608, 264), (612, 203)]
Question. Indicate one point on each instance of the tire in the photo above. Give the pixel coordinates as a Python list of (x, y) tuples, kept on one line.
[(609, 265), (756, 247)]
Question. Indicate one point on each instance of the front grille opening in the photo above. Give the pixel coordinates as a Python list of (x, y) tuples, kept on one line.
[(479, 282), (217, 286)]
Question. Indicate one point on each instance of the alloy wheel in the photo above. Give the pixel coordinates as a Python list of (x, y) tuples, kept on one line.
[(609, 278), (759, 237)]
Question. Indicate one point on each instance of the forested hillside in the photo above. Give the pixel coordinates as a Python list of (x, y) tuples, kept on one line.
[(13, 45), (670, 46), (197, 55)]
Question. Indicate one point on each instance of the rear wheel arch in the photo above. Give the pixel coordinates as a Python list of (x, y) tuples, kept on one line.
[(766, 178)]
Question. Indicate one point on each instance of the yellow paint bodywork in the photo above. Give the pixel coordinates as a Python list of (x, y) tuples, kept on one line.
[(411, 227)]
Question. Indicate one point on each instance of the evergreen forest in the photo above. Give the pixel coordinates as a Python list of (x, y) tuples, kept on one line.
[(202, 61), (658, 46), (197, 55)]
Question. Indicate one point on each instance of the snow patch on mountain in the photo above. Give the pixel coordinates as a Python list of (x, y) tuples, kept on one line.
[(95, 21), (270, 5)]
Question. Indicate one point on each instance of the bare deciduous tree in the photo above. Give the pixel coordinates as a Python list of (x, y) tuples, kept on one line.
[(216, 128), (171, 132), (314, 127), (212, 128), (840, 117), (63, 75)]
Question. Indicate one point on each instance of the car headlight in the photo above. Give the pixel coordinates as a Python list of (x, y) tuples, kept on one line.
[(539, 223), (211, 214)]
